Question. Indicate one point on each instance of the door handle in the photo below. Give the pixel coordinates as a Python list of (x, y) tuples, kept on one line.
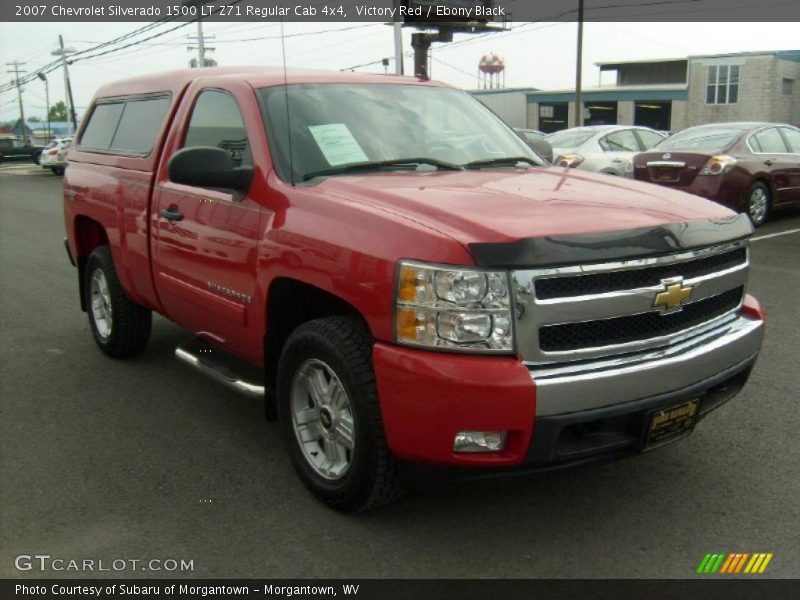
[(616, 160), (769, 162), (171, 214)]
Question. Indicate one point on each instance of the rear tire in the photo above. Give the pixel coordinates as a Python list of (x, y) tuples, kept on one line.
[(120, 327), (759, 203), (58, 171), (328, 408)]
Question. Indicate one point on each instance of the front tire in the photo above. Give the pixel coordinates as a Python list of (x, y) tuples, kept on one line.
[(328, 409), (120, 327), (759, 202), (58, 171)]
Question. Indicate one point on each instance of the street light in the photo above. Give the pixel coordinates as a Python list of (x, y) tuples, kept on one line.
[(41, 76)]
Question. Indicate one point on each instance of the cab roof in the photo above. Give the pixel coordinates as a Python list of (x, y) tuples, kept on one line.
[(176, 80)]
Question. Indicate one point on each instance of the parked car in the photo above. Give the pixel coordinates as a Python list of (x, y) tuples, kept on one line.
[(405, 295), (12, 148), (601, 148), (748, 167), (54, 156), (535, 139)]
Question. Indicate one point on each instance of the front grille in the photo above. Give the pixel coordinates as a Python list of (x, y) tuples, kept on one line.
[(599, 283), (621, 330)]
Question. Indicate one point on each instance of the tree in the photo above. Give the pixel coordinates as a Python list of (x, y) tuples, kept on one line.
[(35, 119), (58, 112)]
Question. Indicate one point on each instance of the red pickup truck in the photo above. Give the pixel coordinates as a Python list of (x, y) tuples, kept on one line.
[(400, 277)]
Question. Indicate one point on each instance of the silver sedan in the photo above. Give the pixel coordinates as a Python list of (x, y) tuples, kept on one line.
[(601, 148)]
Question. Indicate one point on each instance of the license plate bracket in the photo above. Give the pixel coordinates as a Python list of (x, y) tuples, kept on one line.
[(671, 423), (665, 174)]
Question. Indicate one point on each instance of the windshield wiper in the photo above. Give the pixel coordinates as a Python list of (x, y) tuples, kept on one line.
[(379, 164), (506, 161)]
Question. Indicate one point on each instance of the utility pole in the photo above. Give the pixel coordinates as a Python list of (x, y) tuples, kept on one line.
[(202, 48), (16, 73), (398, 48), (42, 76), (579, 69), (62, 52), (398, 42)]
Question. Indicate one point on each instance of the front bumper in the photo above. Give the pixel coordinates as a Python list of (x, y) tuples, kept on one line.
[(557, 417)]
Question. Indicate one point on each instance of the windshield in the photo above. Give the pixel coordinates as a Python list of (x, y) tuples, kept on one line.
[(569, 138), (336, 125), (705, 139)]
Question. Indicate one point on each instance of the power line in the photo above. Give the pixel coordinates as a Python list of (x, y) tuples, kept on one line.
[(455, 68), (89, 53), (299, 34)]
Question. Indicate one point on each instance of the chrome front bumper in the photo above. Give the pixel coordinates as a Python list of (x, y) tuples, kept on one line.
[(573, 387)]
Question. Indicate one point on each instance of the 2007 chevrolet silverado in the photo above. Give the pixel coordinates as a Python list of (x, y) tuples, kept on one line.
[(403, 274)]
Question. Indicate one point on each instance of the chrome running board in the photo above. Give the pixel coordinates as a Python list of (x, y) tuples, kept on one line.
[(230, 371)]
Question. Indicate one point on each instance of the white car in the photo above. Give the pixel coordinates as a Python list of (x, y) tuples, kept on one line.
[(601, 148), (54, 156)]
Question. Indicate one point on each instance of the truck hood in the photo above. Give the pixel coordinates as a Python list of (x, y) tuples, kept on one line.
[(505, 205)]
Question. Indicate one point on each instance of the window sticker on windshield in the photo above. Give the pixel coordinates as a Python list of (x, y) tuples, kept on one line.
[(337, 144)]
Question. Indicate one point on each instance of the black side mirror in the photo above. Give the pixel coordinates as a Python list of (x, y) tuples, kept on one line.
[(208, 167), (543, 148)]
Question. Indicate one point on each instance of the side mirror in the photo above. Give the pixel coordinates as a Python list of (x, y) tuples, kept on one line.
[(208, 167), (543, 148)]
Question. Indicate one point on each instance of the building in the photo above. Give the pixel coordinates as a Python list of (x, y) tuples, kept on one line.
[(41, 132), (510, 103), (670, 94)]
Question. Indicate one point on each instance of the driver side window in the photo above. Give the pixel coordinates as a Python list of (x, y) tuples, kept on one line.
[(217, 121)]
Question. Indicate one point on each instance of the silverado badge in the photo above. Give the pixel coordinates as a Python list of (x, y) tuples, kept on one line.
[(672, 298)]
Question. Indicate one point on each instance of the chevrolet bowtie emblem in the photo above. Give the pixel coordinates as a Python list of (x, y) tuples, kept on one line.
[(674, 295)]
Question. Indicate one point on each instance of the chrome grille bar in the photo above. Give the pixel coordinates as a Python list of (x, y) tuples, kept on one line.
[(533, 313)]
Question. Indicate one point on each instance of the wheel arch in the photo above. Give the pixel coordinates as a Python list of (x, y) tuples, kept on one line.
[(89, 234), (290, 303)]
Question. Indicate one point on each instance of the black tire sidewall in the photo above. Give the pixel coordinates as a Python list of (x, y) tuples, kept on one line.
[(98, 260), (342, 493)]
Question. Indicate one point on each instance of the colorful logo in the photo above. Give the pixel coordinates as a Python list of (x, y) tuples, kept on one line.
[(737, 562)]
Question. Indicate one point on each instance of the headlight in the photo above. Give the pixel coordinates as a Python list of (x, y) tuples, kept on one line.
[(457, 308)]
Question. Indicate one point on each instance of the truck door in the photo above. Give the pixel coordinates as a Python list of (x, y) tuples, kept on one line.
[(205, 240)]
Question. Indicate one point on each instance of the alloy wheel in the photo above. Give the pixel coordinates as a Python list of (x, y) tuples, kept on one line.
[(322, 419)]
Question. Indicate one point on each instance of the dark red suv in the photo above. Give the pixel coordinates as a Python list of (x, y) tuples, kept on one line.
[(749, 167)]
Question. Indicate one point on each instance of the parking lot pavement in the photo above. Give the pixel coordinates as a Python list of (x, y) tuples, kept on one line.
[(24, 168), (143, 458)]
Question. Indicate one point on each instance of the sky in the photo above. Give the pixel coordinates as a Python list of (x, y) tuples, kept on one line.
[(540, 55)]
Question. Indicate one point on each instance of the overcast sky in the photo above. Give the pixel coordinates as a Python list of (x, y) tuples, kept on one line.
[(540, 55)]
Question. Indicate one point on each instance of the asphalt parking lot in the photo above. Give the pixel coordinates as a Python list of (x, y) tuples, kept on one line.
[(144, 459)]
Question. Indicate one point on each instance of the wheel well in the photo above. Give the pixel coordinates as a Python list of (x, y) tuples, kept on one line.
[(291, 303), (89, 234), (765, 181)]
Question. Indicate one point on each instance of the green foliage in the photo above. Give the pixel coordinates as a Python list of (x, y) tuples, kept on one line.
[(58, 112)]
